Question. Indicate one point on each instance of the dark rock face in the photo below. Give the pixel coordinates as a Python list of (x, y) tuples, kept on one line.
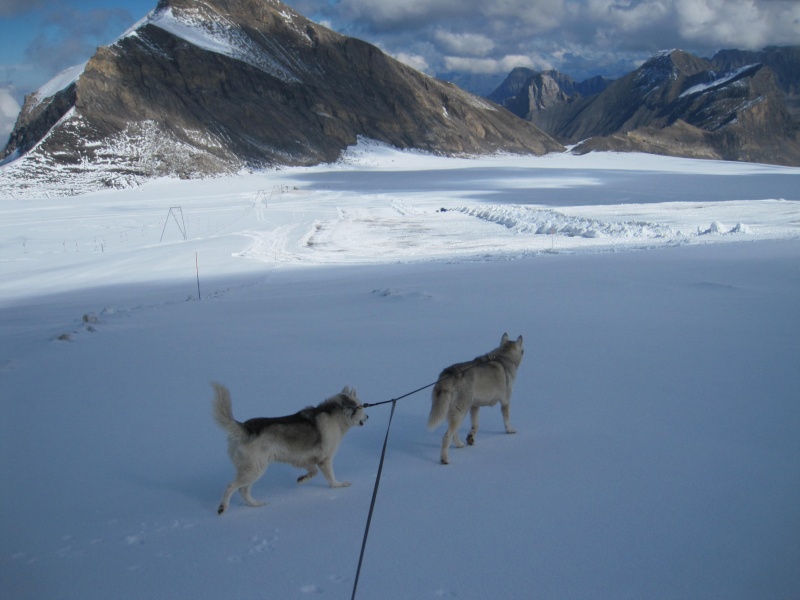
[(679, 104), (784, 62), (683, 107), (210, 87)]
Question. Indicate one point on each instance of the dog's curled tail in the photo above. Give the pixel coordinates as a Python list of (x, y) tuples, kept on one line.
[(223, 411), (440, 402)]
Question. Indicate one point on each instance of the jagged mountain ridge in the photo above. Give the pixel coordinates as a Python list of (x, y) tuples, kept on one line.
[(205, 87), (678, 104), (784, 61), (525, 90)]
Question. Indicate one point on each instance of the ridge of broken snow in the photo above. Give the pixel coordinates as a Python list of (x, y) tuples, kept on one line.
[(527, 219)]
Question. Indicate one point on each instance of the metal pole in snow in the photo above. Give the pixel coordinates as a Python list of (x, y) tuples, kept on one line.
[(197, 270)]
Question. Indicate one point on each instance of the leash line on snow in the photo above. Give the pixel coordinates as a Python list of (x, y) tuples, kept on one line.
[(393, 402), (374, 496)]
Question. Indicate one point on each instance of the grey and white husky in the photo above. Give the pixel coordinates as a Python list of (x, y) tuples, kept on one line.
[(483, 381), (307, 439)]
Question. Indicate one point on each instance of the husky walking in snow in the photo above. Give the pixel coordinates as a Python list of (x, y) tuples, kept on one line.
[(483, 381), (307, 439)]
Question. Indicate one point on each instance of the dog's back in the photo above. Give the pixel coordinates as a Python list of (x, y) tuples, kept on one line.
[(464, 387)]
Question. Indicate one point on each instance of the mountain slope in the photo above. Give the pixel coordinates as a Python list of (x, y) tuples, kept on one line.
[(199, 88), (675, 104)]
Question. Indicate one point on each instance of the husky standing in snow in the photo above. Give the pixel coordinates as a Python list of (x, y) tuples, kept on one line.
[(483, 381), (308, 439)]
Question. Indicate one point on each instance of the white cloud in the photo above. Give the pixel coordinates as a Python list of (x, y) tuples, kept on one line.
[(415, 61), (385, 14), (739, 23), (603, 36), (490, 66), (629, 15), (463, 44), (9, 110)]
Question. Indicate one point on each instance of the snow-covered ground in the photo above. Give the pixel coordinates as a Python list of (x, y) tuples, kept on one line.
[(657, 405)]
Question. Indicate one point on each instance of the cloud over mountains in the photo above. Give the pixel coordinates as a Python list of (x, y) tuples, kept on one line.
[(581, 37)]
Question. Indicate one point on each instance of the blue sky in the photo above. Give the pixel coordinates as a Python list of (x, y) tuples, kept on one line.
[(39, 38)]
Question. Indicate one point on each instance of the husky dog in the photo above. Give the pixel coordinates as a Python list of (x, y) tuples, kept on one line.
[(483, 381), (307, 439)]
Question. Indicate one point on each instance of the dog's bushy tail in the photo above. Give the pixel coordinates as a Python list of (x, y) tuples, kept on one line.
[(223, 411), (440, 402)]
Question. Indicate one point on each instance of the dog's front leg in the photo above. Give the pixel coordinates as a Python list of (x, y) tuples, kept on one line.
[(243, 485), (312, 470), (327, 469), (506, 409)]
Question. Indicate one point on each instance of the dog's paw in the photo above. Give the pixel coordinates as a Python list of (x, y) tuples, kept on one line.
[(511, 430), (221, 509), (470, 440), (341, 484), (444, 461)]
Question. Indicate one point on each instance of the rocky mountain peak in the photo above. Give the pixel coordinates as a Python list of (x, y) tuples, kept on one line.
[(214, 86)]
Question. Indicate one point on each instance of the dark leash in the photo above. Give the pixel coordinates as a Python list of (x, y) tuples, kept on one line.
[(424, 387), (393, 401)]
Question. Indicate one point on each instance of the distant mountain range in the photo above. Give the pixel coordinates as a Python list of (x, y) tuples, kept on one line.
[(738, 105), (203, 87)]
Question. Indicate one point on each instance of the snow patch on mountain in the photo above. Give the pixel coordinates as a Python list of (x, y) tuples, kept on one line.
[(717, 83), (61, 81), (212, 31)]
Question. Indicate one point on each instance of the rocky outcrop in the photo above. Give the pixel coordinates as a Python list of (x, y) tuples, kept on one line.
[(526, 92), (209, 87)]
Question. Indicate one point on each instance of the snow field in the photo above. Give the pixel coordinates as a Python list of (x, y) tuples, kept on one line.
[(656, 406)]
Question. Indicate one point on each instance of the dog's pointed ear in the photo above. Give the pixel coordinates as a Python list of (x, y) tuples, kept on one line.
[(504, 339), (519, 340), (348, 391)]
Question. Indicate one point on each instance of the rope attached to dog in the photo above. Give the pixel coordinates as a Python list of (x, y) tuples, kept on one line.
[(378, 477), (393, 401), (374, 494), (425, 387)]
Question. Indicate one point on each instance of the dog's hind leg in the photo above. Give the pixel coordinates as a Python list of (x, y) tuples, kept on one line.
[(245, 492), (453, 423), (473, 414), (244, 479), (226, 497)]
